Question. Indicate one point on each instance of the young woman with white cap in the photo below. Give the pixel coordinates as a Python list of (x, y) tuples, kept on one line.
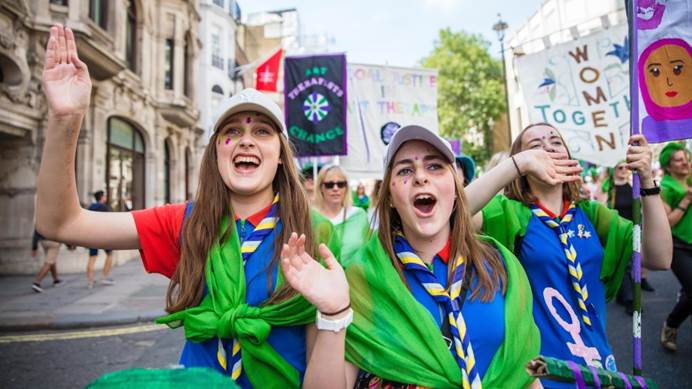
[(426, 302), (222, 254)]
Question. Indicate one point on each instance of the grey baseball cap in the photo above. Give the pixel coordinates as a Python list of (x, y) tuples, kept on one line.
[(415, 132), (250, 99)]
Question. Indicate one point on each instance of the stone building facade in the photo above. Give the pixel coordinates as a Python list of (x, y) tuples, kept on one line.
[(140, 140)]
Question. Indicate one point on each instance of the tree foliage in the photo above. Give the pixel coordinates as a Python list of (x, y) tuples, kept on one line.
[(470, 90)]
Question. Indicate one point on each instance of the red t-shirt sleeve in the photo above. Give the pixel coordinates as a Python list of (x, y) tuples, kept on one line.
[(159, 237)]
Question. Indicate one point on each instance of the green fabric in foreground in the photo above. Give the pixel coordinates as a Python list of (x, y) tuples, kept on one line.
[(164, 379), (505, 220), (394, 337), (351, 234), (672, 192), (224, 314)]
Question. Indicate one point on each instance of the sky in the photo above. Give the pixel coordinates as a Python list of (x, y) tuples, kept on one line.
[(398, 33)]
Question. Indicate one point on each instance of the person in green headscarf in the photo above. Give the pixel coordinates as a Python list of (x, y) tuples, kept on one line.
[(222, 254), (430, 303), (676, 191)]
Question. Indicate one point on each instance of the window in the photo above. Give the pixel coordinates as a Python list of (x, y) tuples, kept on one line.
[(131, 36), (168, 66), (59, 2), (219, 3), (124, 166), (216, 59), (167, 170), (188, 174), (216, 97), (186, 66), (98, 12)]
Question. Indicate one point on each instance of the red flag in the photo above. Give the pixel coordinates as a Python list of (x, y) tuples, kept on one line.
[(267, 74)]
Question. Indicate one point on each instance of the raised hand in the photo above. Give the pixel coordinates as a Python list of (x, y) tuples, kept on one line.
[(66, 80), (326, 288), (551, 168)]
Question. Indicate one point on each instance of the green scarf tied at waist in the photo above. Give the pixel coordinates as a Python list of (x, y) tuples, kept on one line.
[(395, 337), (223, 313)]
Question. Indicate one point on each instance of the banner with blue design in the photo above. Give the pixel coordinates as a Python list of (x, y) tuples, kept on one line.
[(582, 88), (662, 34), (315, 104)]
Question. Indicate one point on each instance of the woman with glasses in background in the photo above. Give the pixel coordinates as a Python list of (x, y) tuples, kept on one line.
[(333, 201)]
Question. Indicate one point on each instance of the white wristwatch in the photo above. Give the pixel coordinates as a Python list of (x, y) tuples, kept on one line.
[(334, 325)]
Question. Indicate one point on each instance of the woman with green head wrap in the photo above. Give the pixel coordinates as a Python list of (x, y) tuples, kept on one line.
[(676, 191)]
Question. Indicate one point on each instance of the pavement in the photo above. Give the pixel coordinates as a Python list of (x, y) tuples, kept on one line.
[(136, 297)]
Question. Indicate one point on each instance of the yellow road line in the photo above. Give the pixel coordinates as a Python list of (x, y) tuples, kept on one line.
[(82, 334)]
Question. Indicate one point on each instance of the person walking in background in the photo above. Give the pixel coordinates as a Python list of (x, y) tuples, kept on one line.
[(100, 205), (360, 199), (333, 201), (50, 251), (676, 191)]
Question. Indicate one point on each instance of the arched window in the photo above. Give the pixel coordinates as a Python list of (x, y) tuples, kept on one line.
[(131, 37), (167, 165), (216, 97), (124, 166)]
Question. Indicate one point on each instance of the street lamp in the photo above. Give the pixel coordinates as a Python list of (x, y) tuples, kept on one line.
[(500, 27)]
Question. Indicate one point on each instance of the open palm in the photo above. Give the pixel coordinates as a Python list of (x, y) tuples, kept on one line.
[(66, 80), (326, 288)]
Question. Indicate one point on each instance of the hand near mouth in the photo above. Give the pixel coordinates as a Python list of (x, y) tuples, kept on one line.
[(551, 168)]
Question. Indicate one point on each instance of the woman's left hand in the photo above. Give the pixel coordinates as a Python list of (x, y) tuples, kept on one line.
[(639, 157)]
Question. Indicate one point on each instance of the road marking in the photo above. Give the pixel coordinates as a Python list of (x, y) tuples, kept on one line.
[(82, 334)]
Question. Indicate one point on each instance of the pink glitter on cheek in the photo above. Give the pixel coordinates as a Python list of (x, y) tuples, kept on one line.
[(228, 141)]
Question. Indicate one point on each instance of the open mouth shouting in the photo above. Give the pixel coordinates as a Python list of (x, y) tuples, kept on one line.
[(424, 204), (246, 163)]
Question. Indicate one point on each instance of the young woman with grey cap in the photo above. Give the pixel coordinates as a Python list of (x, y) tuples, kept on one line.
[(574, 251), (428, 302), (222, 254)]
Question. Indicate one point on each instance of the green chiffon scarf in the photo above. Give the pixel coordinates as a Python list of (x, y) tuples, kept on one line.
[(223, 313), (395, 337)]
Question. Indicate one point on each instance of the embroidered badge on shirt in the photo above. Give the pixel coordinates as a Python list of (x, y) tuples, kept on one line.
[(582, 233)]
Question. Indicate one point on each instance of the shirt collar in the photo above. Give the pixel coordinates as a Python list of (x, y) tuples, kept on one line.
[(444, 253), (257, 217), (565, 208)]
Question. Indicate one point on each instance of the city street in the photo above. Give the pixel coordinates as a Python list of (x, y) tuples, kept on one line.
[(68, 363)]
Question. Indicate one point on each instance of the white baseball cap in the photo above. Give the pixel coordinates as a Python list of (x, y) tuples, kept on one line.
[(250, 99), (415, 132)]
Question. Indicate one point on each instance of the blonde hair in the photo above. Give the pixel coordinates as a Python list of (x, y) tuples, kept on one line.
[(322, 176), (520, 190)]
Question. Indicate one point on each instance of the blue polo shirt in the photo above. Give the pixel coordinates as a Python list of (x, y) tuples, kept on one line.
[(485, 339), (289, 342), (555, 308)]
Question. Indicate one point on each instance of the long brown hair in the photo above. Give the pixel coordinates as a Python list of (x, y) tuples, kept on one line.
[(520, 190), (201, 228), (463, 241)]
